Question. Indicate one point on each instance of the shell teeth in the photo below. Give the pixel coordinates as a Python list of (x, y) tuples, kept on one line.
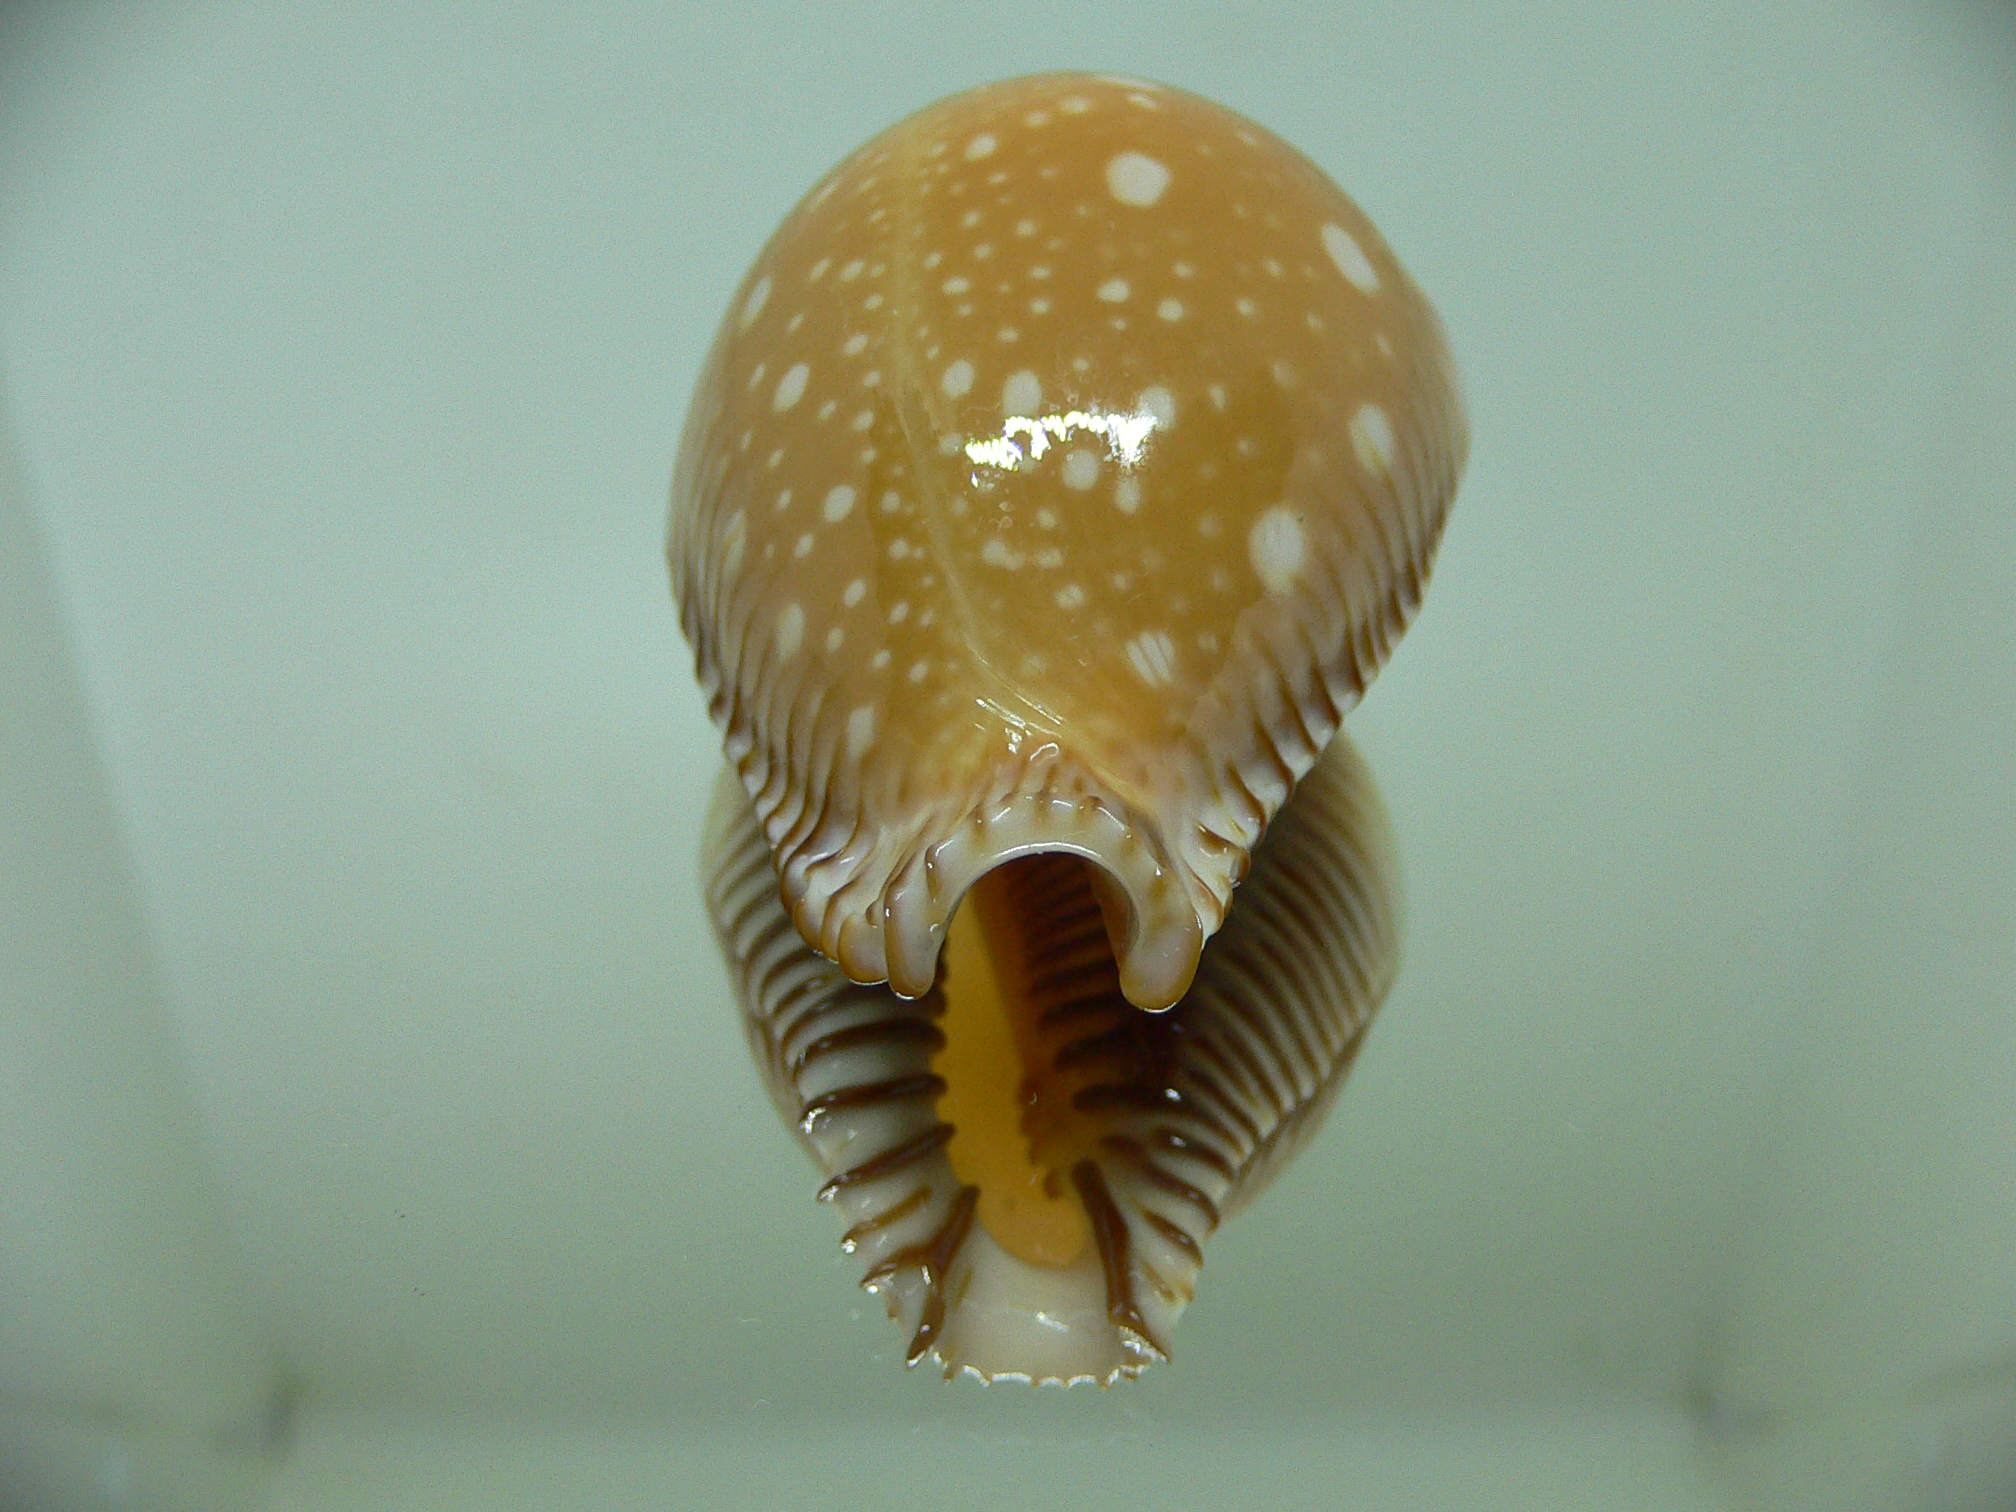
[(1188, 1114), (1158, 922)]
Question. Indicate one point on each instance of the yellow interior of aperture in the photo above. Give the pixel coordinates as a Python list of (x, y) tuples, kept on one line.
[(992, 1065)]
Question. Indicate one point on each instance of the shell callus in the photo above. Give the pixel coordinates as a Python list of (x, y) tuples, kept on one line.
[(1065, 467)]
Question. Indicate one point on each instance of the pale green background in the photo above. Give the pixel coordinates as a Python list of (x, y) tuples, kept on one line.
[(374, 1127)]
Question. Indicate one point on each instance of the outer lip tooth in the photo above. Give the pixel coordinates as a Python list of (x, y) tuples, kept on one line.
[(1109, 1232)]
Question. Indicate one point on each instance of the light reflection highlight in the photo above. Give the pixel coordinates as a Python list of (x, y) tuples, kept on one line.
[(1027, 437)]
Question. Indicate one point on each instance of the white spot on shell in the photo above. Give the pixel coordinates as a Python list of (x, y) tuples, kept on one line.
[(957, 381), (834, 637), (735, 541), (1114, 290), (1170, 309), (1070, 596), (980, 146), (1022, 394), (1157, 401), (860, 731), (753, 305), (918, 670), (790, 630), (1372, 438), (856, 344), (791, 387), (1127, 495), (1081, 469), (839, 504), (1350, 259), (1276, 546), (854, 592), (1134, 178), (1153, 656)]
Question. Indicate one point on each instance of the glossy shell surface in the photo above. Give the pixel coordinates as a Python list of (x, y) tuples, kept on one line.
[(1065, 467)]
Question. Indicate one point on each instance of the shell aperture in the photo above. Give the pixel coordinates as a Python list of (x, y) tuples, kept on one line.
[(1066, 465)]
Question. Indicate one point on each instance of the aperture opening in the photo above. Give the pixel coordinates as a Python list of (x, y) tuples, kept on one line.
[(1034, 1021)]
